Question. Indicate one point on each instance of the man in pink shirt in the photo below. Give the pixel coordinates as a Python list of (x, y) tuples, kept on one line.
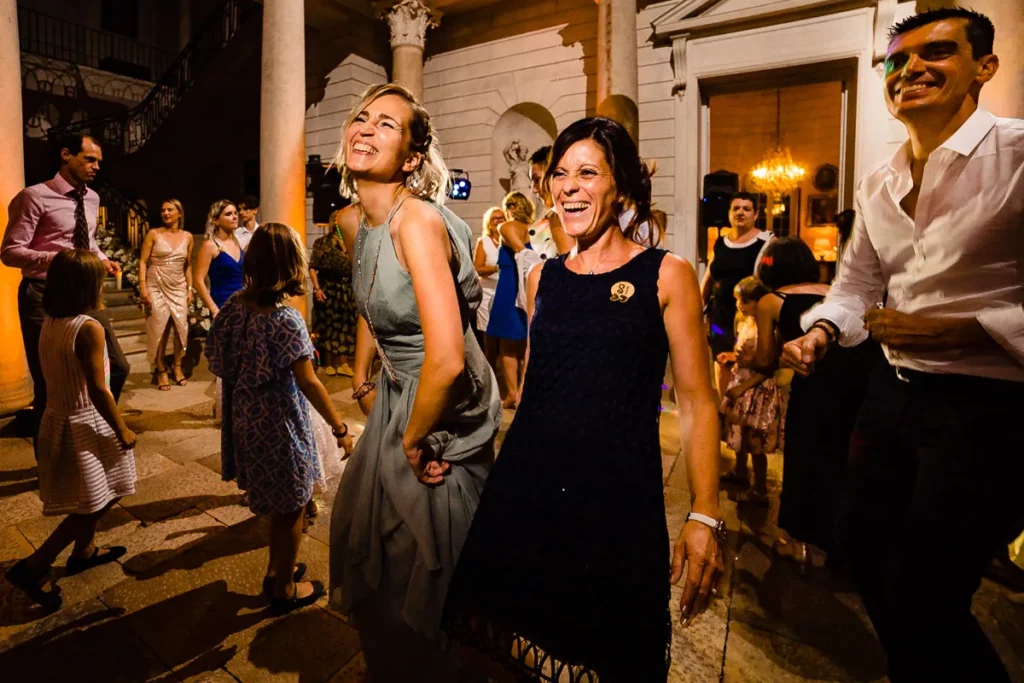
[(44, 219)]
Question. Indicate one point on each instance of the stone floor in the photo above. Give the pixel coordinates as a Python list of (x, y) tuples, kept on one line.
[(183, 604)]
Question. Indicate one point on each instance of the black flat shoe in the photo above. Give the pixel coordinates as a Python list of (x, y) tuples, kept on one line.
[(23, 578), (77, 565), (281, 606), (268, 581)]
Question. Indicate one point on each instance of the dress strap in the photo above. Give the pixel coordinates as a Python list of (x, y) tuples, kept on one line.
[(781, 295), (395, 208)]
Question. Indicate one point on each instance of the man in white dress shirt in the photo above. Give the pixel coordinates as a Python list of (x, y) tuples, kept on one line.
[(248, 207), (937, 456)]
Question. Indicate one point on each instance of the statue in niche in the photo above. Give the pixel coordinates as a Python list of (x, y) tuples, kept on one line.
[(518, 159)]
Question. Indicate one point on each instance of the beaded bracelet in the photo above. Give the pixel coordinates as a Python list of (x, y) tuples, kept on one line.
[(363, 389)]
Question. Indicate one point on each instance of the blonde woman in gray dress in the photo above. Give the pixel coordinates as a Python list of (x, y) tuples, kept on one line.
[(410, 489), (165, 291)]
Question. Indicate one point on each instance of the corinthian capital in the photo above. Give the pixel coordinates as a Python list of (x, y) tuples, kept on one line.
[(409, 21)]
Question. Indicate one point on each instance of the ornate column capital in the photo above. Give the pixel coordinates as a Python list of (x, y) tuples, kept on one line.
[(409, 21)]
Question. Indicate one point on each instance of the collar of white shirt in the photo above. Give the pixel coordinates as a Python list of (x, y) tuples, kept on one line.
[(964, 141)]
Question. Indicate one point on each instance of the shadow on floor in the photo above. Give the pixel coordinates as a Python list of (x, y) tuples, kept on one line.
[(819, 609), (217, 542), (105, 645)]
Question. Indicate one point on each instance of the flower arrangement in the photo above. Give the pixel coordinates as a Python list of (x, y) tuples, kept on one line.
[(199, 318), (117, 251)]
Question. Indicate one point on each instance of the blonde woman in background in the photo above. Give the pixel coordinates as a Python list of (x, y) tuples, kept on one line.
[(485, 260), (508, 322), (165, 291), (410, 489), (221, 257)]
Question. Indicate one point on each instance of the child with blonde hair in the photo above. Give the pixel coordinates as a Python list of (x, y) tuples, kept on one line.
[(752, 402)]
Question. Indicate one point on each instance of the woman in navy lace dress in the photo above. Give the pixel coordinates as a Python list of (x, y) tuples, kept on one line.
[(563, 575)]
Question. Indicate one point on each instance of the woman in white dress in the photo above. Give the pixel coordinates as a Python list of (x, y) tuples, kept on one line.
[(165, 291), (485, 260)]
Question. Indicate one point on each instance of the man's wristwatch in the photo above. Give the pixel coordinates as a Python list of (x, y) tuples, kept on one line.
[(717, 525)]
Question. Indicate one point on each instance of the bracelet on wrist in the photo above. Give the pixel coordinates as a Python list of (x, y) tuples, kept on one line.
[(363, 389), (342, 433), (831, 333)]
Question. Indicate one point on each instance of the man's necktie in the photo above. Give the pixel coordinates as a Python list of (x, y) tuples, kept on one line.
[(81, 236)]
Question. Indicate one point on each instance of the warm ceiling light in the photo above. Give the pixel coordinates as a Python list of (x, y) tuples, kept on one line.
[(778, 174)]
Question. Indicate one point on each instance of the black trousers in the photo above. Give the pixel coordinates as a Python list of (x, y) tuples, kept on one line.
[(933, 493), (31, 315)]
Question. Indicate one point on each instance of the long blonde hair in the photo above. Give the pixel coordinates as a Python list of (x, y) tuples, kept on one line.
[(431, 180), (181, 211), (216, 209)]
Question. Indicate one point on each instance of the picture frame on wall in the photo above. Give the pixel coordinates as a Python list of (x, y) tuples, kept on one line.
[(822, 210)]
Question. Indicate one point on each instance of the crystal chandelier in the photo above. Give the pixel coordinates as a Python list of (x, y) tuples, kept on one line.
[(778, 174)]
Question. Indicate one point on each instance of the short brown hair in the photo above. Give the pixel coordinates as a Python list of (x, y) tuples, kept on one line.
[(74, 284), (518, 207), (275, 265)]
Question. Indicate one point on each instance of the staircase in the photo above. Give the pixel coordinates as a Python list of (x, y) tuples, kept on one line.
[(125, 134)]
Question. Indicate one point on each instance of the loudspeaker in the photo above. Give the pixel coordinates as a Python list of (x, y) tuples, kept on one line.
[(326, 197), (718, 189)]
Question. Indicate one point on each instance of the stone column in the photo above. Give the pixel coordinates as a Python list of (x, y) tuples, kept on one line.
[(15, 383), (409, 21), (617, 89), (283, 117)]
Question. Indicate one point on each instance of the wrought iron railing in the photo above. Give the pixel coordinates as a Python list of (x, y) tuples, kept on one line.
[(127, 132), (56, 38), (127, 220)]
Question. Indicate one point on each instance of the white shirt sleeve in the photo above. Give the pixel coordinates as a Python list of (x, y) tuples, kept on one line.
[(1006, 326), (859, 285), (526, 260)]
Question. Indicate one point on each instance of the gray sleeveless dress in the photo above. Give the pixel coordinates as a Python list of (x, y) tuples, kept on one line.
[(395, 541)]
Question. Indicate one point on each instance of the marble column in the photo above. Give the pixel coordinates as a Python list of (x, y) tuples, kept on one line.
[(617, 89), (15, 383), (283, 117), (409, 21)]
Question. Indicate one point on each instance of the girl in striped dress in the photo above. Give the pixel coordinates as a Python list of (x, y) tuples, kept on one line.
[(84, 448)]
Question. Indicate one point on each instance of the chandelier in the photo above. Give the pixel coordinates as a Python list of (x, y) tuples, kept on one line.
[(777, 174)]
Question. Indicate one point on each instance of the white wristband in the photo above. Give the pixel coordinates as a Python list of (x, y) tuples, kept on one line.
[(703, 519)]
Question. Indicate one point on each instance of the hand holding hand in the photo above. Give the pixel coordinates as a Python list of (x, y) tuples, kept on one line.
[(802, 353), (698, 549)]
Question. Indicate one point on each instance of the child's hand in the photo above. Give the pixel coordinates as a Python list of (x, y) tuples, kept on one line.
[(734, 393), (345, 444), (127, 439)]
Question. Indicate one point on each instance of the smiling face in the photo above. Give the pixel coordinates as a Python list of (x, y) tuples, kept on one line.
[(228, 219), (377, 141), (742, 214), (584, 192), (169, 214), (933, 68)]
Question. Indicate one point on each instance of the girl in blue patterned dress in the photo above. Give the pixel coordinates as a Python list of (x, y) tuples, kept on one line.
[(261, 349)]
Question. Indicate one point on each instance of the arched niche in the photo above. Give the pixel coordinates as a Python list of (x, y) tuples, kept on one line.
[(533, 127)]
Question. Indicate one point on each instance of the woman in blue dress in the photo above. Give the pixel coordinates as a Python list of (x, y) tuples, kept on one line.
[(261, 349), (221, 257), (508, 322)]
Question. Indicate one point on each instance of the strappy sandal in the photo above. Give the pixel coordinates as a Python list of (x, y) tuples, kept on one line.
[(179, 376), (268, 581), (164, 385), (23, 578), (77, 565), (281, 606)]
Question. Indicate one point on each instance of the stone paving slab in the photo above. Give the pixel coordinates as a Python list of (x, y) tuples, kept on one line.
[(309, 646), (177, 490)]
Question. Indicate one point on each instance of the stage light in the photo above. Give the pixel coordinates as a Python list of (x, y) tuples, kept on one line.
[(461, 185)]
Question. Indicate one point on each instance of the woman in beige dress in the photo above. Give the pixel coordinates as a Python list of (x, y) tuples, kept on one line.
[(165, 291)]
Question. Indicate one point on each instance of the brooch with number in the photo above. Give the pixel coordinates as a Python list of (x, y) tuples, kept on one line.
[(622, 291)]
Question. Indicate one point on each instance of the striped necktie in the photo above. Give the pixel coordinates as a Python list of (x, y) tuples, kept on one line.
[(80, 239)]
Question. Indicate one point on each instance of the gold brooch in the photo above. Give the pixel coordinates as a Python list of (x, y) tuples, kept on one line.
[(622, 291)]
